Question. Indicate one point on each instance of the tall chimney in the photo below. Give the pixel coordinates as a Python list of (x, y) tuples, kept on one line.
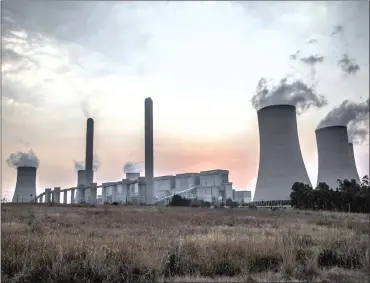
[(26, 184), (149, 155), (89, 151)]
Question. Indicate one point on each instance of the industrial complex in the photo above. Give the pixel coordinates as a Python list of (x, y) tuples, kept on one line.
[(280, 166)]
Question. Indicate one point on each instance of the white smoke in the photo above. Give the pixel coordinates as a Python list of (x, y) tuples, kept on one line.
[(23, 159), (353, 115), (133, 167), (80, 165), (296, 93)]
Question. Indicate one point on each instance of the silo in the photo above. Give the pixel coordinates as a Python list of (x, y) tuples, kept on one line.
[(25, 188), (280, 162), (335, 160)]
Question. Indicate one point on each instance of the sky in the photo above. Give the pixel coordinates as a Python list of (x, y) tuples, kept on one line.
[(200, 62)]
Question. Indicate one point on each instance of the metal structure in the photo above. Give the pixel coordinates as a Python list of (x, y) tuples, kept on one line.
[(25, 188), (335, 160), (280, 161)]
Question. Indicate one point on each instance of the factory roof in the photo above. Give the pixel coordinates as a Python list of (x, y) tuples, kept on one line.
[(215, 171), (186, 174), (164, 177)]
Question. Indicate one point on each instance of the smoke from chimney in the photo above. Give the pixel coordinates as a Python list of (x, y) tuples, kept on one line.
[(133, 167), (23, 159), (353, 115), (296, 93), (80, 165)]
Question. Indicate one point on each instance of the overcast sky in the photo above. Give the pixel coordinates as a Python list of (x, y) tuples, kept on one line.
[(199, 61)]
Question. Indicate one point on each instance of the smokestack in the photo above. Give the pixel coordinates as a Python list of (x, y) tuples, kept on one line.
[(26, 184), (280, 163), (334, 156), (89, 157), (149, 155), (353, 160)]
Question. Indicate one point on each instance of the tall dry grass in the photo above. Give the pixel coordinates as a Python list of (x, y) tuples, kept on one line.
[(42, 243)]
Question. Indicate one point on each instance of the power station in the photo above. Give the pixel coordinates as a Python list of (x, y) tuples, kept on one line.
[(280, 166), (280, 162), (336, 158)]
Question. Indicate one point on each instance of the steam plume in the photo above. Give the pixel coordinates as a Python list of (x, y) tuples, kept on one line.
[(80, 165), (22, 159), (90, 107), (133, 167), (348, 65), (353, 115), (337, 29), (296, 93)]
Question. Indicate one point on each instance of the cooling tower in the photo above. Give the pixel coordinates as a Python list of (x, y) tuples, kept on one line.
[(149, 155), (353, 160), (26, 184), (280, 162), (335, 160), (89, 175), (132, 176), (80, 181)]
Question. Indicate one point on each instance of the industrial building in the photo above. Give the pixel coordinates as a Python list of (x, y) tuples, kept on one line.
[(336, 157), (280, 161), (212, 186)]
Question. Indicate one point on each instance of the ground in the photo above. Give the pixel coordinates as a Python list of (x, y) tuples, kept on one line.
[(43, 243)]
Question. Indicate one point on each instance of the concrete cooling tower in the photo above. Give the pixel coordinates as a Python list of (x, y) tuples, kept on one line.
[(335, 161), (80, 181), (280, 163), (26, 184), (353, 160)]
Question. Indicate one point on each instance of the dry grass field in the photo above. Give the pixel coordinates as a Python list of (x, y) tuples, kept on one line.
[(41, 243)]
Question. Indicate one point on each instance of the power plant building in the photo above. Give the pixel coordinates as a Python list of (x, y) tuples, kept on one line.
[(280, 161), (336, 158)]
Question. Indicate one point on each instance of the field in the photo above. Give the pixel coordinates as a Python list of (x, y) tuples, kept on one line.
[(42, 243)]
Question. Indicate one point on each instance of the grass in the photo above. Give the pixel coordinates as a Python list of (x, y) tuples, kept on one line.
[(42, 243)]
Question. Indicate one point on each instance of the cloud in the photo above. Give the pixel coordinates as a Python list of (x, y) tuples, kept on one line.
[(80, 165), (348, 65), (353, 115), (312, 60), (133, 167), (295, 55), (23, 159), (312, 41), (295, 93), (337, 30)]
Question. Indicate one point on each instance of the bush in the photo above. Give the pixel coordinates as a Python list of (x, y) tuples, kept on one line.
[(179, 201)]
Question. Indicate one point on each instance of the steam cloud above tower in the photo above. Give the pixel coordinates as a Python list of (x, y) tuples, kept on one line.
[(353, 115), (80, 165), (133, 167), (23, 159), (295, 93)]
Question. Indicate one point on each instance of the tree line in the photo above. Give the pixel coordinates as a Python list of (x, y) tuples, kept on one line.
[(349, 196)]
